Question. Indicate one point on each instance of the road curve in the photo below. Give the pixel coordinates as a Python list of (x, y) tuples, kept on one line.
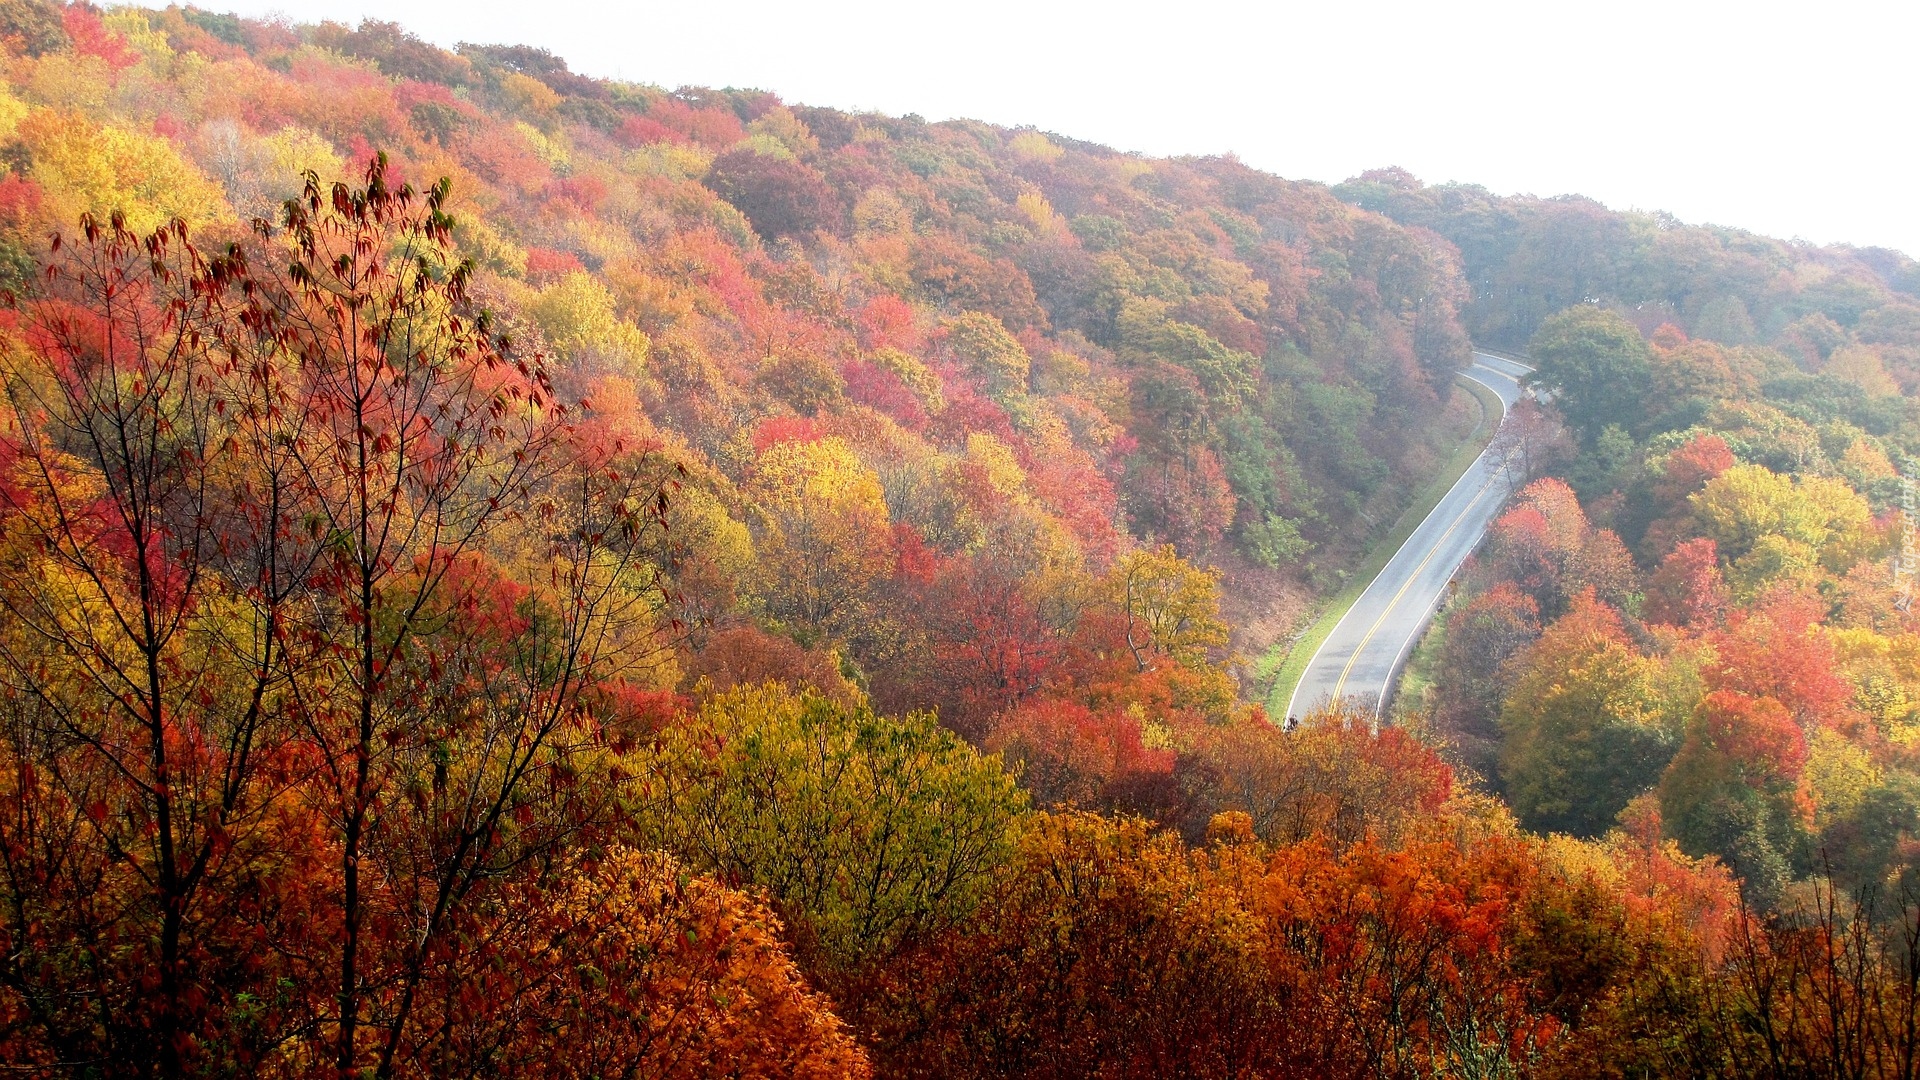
[(1361, 658)]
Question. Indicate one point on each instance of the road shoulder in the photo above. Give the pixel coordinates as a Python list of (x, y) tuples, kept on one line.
[(1287, 661)]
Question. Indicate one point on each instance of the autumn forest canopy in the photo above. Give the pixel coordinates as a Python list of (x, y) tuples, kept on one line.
[(508, 573)]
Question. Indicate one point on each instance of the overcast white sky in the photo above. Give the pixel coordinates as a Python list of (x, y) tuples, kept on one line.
[(1792, 120)]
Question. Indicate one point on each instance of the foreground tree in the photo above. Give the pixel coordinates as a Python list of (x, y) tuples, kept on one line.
[(628, 965), (446, 707), (264, 622), (150, 566), (1831, 989)]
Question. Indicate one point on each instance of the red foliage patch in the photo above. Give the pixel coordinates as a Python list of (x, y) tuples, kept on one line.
[(644, 130), (546, 264), (716, 128), (583, 193), (1071, 754), (887, 322), (1688, 590), (1768, 652), (749, 656), (91, 37), (775, 430), (1757, 732), (19, 200), (878, 388)]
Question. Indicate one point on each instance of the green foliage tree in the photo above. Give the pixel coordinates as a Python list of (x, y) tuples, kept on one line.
[(866, 830), (1276, 541), (1730, 792), (1227, 375), (1596, 365), (992, 355), (1585, 725)]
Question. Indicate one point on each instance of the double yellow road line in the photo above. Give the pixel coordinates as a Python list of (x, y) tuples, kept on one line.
[(1340, 686)]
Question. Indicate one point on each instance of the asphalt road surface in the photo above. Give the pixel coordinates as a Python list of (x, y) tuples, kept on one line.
[(1361, 658)]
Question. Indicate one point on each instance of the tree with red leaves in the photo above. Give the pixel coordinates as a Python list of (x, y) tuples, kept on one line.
[(1688, 589), (1546, 546), (1730, 791), (1335, 777), (275, 476), (1067, 754)]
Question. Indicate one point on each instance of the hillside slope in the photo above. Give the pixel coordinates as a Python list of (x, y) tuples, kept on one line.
[(504, 573)]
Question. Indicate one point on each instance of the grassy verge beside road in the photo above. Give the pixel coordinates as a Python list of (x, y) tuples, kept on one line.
[(1283, 665), (1416, 679)]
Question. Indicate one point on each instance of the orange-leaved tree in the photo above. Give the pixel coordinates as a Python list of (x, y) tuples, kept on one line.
[(629, 965)]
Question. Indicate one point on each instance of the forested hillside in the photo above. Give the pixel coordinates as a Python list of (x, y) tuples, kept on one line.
[(1528, 258), (509, 573), (1700, 619)]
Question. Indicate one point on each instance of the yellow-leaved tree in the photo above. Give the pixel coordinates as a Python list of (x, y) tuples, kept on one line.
[(1172, 607), (822, 534), (1775, 527), (577, 315), (88, 168)]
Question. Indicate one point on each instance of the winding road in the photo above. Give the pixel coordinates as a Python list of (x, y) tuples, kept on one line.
[(1362, 657)]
